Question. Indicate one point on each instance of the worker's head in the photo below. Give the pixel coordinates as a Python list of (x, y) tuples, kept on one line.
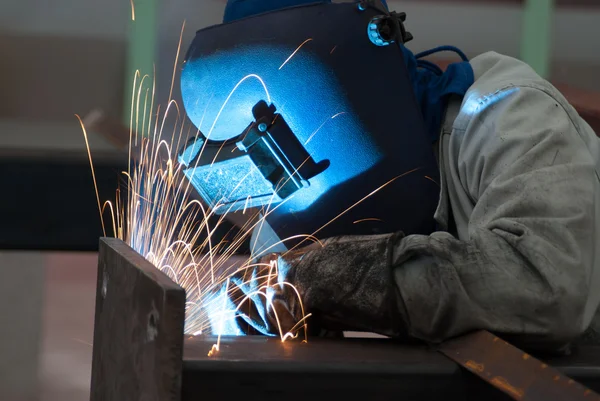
[(309, 109)]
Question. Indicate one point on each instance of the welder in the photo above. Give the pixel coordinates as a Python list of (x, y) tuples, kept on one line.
[(508, 242)]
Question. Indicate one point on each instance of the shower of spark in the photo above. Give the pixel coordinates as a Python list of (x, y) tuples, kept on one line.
[(161, 220)]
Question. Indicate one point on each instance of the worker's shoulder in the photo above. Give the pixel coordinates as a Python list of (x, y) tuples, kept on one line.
[(493, 68), (500, 77)]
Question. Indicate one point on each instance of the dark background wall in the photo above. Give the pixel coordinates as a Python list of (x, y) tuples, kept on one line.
[(64, 57)]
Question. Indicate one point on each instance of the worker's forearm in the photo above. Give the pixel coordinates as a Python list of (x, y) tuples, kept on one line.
[(450, 287), (436, 287)]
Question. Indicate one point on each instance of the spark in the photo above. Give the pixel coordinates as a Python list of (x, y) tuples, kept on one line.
[(213, 350), (112, 214), (137, 107), (332, 50), (369, 219), (132, 10), (145, 109), (432, 180), (231, 94), (294, 53), (137, 73), (321, 126), (176, 60), (87, 146), (82, 342)]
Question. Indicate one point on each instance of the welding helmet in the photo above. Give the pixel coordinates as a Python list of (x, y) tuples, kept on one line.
[(307, 113)]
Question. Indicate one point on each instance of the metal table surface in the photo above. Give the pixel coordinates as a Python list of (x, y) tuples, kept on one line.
[(265, 368), (259, 368)]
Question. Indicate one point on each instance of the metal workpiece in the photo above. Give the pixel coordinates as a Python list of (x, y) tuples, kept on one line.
[(138, 329), (141, 353)]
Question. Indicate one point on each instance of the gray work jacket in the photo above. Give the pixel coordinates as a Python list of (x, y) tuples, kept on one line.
[(520, 179)]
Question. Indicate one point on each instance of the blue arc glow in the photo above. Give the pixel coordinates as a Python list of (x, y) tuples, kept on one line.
[(221, 313)]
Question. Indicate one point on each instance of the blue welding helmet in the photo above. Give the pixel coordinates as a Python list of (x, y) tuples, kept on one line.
[(307, 113)]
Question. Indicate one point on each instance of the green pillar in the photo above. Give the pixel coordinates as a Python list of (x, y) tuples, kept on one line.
[(141, 48), (537, 35)]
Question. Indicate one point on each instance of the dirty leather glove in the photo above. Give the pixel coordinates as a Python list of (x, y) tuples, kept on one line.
[(346, 284)]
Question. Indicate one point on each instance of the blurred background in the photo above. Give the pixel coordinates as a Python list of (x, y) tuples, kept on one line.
[(62, 57)]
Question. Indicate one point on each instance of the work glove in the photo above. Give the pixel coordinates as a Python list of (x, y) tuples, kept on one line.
[(345, 284)]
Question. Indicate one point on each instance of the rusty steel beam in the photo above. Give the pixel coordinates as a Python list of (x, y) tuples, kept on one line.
[(514, 372)]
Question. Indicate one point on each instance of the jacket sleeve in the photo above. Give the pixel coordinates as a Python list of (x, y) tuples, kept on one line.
[(526, 183)]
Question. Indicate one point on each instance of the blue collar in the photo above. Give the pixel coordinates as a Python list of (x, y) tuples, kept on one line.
[(433, 87)]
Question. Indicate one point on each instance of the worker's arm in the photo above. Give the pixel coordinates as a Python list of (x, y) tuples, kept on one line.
[(526, 264), (524, 268), (525, 177)]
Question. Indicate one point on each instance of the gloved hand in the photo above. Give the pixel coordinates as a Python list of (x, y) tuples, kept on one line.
[(346, 284), (264, 296)]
